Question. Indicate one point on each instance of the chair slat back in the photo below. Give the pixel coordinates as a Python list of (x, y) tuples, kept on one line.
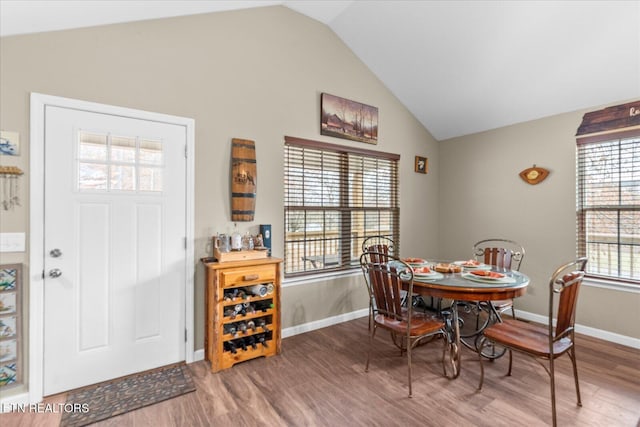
[(500, 257), (379, 253), (502, 253), (380, 242), (565, 284), (386, 281)]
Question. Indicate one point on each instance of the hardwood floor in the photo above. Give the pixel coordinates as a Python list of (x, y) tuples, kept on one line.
[(319, 380)]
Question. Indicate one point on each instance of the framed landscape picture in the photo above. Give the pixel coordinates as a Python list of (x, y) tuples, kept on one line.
[(343, 118)]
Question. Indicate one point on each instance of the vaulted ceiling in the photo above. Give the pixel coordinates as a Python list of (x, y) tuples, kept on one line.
[(460, 67)]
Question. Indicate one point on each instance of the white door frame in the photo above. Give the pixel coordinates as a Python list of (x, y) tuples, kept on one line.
[(39, 102)]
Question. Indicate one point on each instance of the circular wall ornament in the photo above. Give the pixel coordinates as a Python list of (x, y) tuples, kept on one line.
[(534, 175)]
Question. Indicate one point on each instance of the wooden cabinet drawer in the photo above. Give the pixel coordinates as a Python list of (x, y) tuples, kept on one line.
[(244, 276)]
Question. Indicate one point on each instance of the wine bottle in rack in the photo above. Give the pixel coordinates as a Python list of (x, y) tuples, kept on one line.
[(251, 340), (270, 288), (249, 308), (251, 325), (262, 323), (263, 305), (241, 343), (242, 293), (230, 346), (231, 329), (240, 310), (242, 327), (230, 313), (262, 339), (258, 290), (230, 294)]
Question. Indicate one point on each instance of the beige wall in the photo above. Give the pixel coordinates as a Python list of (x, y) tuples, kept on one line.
[(254, 74), (482, 196)]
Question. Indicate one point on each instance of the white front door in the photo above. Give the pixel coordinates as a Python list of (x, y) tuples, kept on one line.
[(114, 246)]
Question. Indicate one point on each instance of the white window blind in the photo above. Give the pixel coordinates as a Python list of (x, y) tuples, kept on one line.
[(608, 205), (334, 197)]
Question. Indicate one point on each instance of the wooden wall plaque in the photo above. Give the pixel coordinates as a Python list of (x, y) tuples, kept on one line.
[(534, 175), (611, 118), (244, 179)]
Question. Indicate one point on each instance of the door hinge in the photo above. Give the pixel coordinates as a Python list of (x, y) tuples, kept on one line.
[(185, 335), (185, 151)]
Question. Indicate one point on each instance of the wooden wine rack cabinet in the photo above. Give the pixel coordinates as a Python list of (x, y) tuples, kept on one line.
[(222, 314)]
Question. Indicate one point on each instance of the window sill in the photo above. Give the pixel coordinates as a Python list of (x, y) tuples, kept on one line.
[(320, 277), (612, 285)]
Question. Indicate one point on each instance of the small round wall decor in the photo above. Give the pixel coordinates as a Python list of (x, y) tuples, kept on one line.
[(534, 175)]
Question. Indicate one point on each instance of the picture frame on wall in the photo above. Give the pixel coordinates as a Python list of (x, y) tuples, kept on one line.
[(421, 164), (9, 143), (343, 118)]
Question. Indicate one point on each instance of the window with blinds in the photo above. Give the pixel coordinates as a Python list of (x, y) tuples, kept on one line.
[(334, 197), (608, 205)]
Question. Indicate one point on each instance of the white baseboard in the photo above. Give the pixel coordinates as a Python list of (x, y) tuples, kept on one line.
[(323, 323), (198, 355), (586, 330)]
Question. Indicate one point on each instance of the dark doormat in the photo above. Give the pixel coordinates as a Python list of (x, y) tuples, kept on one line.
[(116, 397)]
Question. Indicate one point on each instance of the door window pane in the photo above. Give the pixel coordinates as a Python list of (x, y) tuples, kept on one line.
[(151, 152), (123, 149), (123, 177), (92, 176), (150, 179), (93, 146)]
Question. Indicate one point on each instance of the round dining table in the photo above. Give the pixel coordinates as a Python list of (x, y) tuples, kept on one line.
[(465, 287)]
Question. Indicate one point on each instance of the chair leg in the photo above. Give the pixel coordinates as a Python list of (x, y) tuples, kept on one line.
[(513, 311), (371, 335), (553, 391), (445, 341), (572, 356), (510, 362), (409, 364), (481, 365)]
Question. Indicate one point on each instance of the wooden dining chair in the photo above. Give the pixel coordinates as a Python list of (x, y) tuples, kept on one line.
[(388, 280), (501, 253), (545, 342), (473, 316), (383, 246)]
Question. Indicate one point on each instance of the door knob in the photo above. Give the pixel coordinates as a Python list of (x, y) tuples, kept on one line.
[(55, 273), (55, 253)]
